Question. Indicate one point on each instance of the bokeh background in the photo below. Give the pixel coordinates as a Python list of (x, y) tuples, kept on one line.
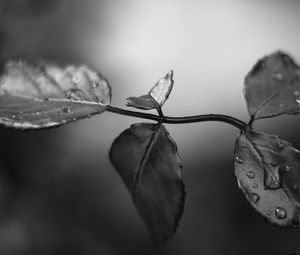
[(59, 194)]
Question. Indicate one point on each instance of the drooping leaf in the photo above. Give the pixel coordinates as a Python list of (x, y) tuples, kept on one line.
[(144, 102), (156, 96), (268, 172), (45, 95), (272, 87), (149, 164)]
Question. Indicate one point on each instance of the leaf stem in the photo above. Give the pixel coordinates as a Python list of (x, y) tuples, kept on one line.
[(181, 120)]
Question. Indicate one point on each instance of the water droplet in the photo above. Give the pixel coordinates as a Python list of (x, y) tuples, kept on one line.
[(239, 160), (255, 185), (13, 116), (76, 78), (75, 94), (287, 169), (280, 213), (254, 197), (38, 113), (296, 92), (280, 145), (250, 174), (95, 84), (272, 178), (277, 76), (298, 101), (66, 110)]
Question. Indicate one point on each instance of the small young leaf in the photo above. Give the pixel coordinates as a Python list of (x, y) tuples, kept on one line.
[(45, 95), (272, 87), (268, 172), (147, 159), (145, 102), (156, 96)]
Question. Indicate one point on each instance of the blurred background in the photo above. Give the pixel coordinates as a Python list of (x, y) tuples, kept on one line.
[(59, 194)]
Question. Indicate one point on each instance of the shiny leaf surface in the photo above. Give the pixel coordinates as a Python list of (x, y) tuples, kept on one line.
[(272, 87), (268, 172), (156, 97), (149, 164), (45, 95)]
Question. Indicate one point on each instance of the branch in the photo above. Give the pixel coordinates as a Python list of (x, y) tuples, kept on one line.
[(181, 120)]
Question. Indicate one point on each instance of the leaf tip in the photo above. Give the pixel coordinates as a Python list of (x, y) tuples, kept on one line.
[(169, 75)]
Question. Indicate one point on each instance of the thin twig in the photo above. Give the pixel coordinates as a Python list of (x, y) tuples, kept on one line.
[(181, 120)]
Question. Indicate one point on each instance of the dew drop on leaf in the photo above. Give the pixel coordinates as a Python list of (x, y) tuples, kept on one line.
[(76, 78), (255, 197), (280, 213), (298, 102), (95, 85), (277, 178), (66, 110), (250, 174), (277, 76), (238, 160), (75, 94), (272, 178)]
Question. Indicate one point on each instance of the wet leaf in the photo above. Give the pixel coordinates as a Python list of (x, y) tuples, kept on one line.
[(157, 96), (45, 95), (149, 164), (272, 87), (268, 172)]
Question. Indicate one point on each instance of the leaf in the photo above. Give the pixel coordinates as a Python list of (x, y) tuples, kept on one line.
[(147, 159), (157, 96), (45, 95), (272, 87), (268, 172)]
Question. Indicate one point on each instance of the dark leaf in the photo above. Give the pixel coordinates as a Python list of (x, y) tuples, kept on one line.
[(268, 172), (272, 87), (148, 161), (45, 95), (157, 96)]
